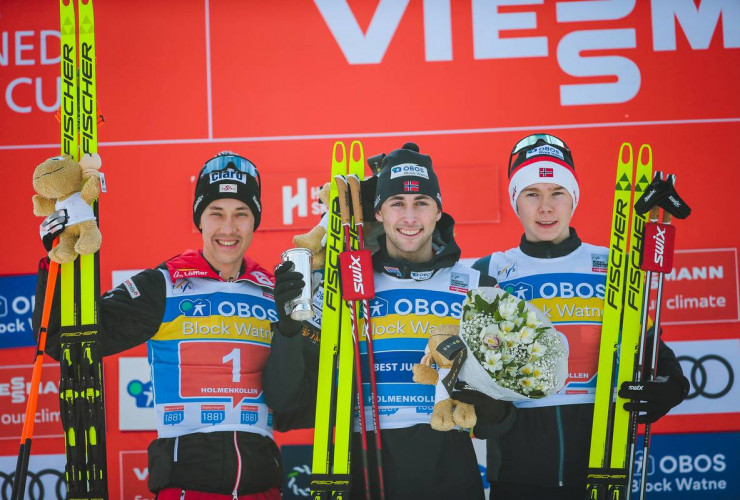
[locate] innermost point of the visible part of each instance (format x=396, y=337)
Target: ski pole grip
x=343, y=198
x=354, y=189
x=654, y=214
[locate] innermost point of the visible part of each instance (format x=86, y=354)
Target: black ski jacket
x=197, y=461
x=418, y=462
x=542, y=452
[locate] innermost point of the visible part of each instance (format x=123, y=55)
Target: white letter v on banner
x=359, y=47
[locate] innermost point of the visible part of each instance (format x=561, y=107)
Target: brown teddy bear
x=315, y=239
x=447, y=412
x=64, y=184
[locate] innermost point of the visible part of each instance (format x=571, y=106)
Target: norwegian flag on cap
x=546, y=172
x=411, y=186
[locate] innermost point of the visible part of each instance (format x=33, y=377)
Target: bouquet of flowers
x=514, y=353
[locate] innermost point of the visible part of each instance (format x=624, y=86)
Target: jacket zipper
x=235, y=494
x=561, y=454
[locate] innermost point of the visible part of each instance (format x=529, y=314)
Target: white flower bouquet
x=514, y=353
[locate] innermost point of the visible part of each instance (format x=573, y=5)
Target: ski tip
x=645, y=152
x=626, y=147
x=339, y=154
x=356, y=151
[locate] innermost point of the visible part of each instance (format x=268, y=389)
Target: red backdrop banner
x=279, y=82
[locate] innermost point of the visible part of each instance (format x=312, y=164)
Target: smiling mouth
x=409, y=232
x=547, y=223
x=227, y=243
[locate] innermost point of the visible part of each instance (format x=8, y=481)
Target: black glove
x=654, y=399
x=288, y=286
x=52, y=227
x=487, y=409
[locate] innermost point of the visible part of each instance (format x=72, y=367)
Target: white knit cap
x=544, y=164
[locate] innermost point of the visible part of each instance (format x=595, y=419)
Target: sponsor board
x=712, y=369
x=17, y=299
x=45, y=476
x=701, y=288
x=15, y=385
x=134, y=475
x=135, y=395
x=692, y=466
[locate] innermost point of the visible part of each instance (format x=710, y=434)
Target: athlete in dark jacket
x=419, y=283
x=205, y=316
x=541, y=449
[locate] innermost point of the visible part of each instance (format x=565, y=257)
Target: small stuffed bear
x=447, y=412
x=64, y=184
x=315, y=239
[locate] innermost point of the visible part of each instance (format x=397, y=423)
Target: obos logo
x=197, y=307
x=684, y=463
x=638, y=463
x=421, y=275
x=378, y=307
x=523, y=291
x=142, y=393
x=545, y=150
x=418, y=306
x=406, y=169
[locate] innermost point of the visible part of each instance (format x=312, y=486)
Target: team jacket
x=569, y=290
x=411, y=300
x=566, y=281
x=208, y=341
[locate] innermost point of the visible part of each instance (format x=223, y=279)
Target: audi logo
x=698, y=376
x=36, y=485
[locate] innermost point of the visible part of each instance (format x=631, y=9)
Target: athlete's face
x=227, y=226
x=545, y=211
x=408, y=221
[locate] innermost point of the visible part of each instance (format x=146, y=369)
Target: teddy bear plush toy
x=447, y=412
x=315, y=239
x=64, y=184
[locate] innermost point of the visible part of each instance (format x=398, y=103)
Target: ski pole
x=354, y=188
x=657, y=256
x=345, y=215
x=639, y=362
x=21, y=469
x=663, y=239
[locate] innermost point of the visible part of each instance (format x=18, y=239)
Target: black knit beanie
x=228, y=175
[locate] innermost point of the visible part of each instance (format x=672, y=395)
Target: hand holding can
x=300, y=308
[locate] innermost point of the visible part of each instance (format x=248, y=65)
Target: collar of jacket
x=548, y=249
x=446, y=254
x=192, y=264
